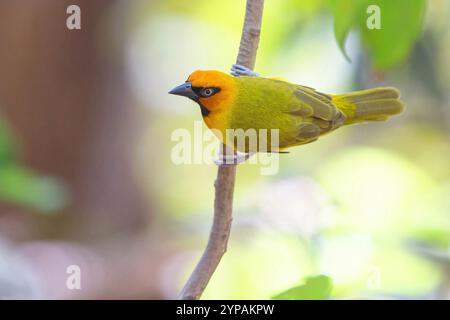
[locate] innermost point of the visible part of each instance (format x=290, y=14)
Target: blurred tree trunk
x=64, y=94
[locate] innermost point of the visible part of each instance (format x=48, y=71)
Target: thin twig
x=224, y=185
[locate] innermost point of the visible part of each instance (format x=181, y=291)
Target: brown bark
x=224, y=185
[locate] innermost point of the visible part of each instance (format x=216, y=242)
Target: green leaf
x=345, y=14
x=401, y=27
x=315, y=288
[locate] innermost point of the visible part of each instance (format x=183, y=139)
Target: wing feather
x=319, y=114
x=322, y=107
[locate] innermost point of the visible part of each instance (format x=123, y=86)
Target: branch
x=224, y=185
x=250, y=34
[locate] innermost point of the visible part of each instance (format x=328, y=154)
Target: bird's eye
x=207, y=92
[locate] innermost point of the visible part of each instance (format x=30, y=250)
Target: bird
x=244, y=101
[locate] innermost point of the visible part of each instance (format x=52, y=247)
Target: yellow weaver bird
x=301, y=114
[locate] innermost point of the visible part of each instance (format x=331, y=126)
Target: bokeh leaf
x=315, y=288
x=21, y=186
x=7, y=150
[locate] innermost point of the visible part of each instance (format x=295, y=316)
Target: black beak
x=184, y=90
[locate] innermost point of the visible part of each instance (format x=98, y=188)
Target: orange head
x=212, y=90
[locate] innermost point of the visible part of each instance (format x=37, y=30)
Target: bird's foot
x=237, y=70
x=234, y=159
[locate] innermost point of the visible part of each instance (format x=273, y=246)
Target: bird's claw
x=237, y=70
x=231, y=160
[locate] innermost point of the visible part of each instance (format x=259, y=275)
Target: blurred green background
x=86, y=176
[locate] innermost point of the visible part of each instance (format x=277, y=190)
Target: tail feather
x=381, y=107
x=376, y=104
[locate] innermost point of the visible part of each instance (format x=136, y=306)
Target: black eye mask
x=200, y=91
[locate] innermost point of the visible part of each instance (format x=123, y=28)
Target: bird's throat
x=205, y=112
x=203, y=109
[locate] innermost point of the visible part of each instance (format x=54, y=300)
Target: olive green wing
x=316, y=113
